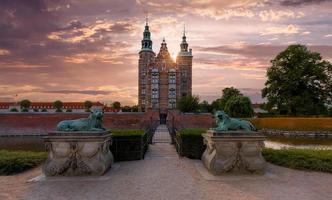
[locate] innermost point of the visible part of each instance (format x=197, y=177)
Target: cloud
x=4, y=52
x=88, y=92
x=286, y=30
x=271, y=15
x=300, y=2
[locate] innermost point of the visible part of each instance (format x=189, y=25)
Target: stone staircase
x=161, y=135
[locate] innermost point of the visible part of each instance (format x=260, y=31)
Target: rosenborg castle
x=163, y=81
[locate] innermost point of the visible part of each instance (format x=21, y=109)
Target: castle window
x=172, y=93
x=172, y=78
x=184, y=73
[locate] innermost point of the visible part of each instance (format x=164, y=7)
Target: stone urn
x=234, y=152
x=79, y=153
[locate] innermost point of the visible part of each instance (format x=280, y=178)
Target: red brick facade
x=163, y=81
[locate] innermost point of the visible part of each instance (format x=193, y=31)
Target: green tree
x=116, y=105
x=299, y=82
x=239, y=106
x=25, y=105
x=126, y=109
x=188, y=103
x=204, y=106
x=227, y=93
x=134, y=108
x=87, y=105
x=58, y=105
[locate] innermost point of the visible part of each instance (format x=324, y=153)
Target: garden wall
x=178, y=120
x=40, y=123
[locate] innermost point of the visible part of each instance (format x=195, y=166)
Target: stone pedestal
x=78, y=153
x=234, y=152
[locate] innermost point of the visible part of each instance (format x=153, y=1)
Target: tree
x=126, y=109
x=204, y=106
x=25, y=105
x=134, y=108
x=116, y=105
x=299, y=82
x=58, y=105
x=227, y=93
x=239, y=106
x=87, y=105
x=188, y=103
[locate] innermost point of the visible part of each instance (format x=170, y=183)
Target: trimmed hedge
x=13, y=162
x=129, y=144
x=302, y=159
x=189, y=143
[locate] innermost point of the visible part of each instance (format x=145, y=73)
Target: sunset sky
x=76, y=50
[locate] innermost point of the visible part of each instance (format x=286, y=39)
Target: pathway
x=163, y=175
x=161, y=135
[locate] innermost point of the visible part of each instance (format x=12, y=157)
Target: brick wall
x=189, y=120
x=41, y=123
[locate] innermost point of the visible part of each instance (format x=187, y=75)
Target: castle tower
x=184, y=64
x=146, y=57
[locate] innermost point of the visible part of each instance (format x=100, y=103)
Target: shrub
x=13, y=110
x=189, y=143
x=35, y=110
x=43, y=110
x=303, y=159
x=13, y=162
x=69, y=110
x=129, y=144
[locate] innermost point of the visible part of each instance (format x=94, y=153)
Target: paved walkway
x=161, y=135
x=163, y=175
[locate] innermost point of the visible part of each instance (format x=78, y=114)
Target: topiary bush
x=129, y=144
x=13, y=162
x=189, y=143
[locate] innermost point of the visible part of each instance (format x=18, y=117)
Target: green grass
x=302, y=159
x=13, y=162
x=127, y=132
x=192, y=131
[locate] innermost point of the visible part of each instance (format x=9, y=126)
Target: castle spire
x=184, y=44
x=146, y=42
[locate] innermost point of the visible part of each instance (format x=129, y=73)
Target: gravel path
x=163, y=175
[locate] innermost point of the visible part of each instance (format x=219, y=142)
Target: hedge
x=302, y=159
x=129, y=144
x=189, y=143
x=293, y=124
x=13, y=162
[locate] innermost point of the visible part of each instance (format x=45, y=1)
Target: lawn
x=302, y=159
x=13, y=162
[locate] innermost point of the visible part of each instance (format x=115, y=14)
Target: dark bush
x=189, y=143
x=13, y=110
x=129, y=144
